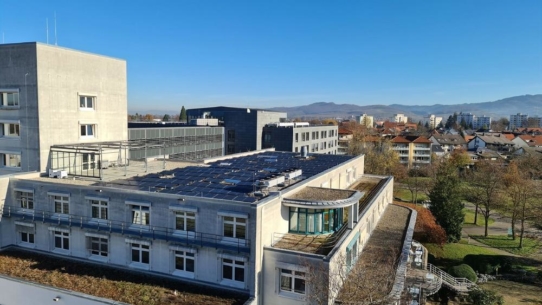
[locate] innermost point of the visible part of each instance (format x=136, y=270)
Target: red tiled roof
x=399, y=139
x=509, y=136
x=344, y=131
x=531, y=140
x=422, y=139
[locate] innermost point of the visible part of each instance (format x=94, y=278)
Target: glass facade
x=310, y=221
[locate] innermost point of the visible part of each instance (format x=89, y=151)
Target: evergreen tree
x=165, y=118
x=426, y=125
x=463, y=123
x=449, y=122
x=446, y=203
x=182, y=116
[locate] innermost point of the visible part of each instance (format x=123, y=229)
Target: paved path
x=499, y=227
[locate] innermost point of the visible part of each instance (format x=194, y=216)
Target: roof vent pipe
x=304, y=153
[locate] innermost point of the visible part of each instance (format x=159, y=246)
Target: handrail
x=457, y=284
x=126, y=228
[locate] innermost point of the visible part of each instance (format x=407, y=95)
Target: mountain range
x=526, y=104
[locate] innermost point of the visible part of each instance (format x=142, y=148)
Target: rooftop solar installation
x=237, y=179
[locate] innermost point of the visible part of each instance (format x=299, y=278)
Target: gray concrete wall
x=16, y=60
x=63, y=75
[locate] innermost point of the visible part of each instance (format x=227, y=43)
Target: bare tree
x=485, y=190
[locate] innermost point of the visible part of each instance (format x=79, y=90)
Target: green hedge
x=465, y=271
x=486, y=263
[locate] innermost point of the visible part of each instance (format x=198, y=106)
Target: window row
x=183, y=260
x=140, y=215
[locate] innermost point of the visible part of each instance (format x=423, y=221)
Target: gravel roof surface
x=322, y=194
x=375, y=267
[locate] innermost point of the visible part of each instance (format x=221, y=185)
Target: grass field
x=506, y=243
x=469, y=218
x=406, y=196
x=453, y=254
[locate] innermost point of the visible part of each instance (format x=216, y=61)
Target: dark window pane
x=135, y=255
x=227, y=272
x=190, y=265
x=31, y=238
x=191, y=225
x=179, y=263
x=299, y=285
x=228, y=230
x=66, y=243
x=58, y=242
x=240, y=232
x=286, y=283
x=145, y=257
x=240, y=274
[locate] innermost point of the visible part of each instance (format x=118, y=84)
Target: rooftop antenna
x=55, y=31
x=47, y=28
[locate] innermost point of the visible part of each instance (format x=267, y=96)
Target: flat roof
x=322, y=194
x=232, y=179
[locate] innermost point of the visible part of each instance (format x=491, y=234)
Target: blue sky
x=287, y=53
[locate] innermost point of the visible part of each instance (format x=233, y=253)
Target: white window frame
x=7, y=157
x=185, y=216
x=99, y=205
x=293, y=276
x=25, y=229
x=4, y=97
x=85, y=133
x=25, y=199
x=64, y=238
x=90, y=162
x=63, y=202
x=184, y=255
x=99, y=252
x=84, y=105
x=7, y=130
x=234, y=264
x=233, y=220
x=140, y=215
x=140, y=248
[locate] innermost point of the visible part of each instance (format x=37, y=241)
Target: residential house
x=498, y=143
x=412, y=150
x=449, y=142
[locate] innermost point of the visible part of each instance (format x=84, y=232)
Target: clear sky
x=292, y=52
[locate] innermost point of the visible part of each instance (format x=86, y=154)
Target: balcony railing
x=125, y=228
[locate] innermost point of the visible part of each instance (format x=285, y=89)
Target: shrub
x=481, y=296
x=427, y=230
x=465, y=271
x=487, y=263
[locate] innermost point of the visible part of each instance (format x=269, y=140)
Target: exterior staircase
x=459, y=285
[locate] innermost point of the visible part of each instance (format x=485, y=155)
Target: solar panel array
x=232, y=179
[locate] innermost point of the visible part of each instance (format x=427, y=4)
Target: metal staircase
x=459, y=285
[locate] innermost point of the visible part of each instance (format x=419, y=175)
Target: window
x=9, y=99
x=89, y=161
x=235, y=227
x=296, y=137
x=231, y=148
x=99, y=209
x=140, y=253
x=62, y=240
x=233, y=270
x=10, y=130
x=98, y=246
x=315, y=221
x=27, y=237
x=11, y=160
x=86, y=102
x=61, y=204
x=140, y=215
x=25, y=199
x=292, y=281
x=184, y=261
x=87, y=130
x=185, y=221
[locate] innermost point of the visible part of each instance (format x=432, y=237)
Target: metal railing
x=456, y=284
x=320, y=247
x=130, y=229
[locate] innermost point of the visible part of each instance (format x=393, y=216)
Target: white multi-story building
x=228, y=221
x=518, y=120
x=366, y=120
x=53, y=95
x=481, y=122
x=432, y=120
x=233, y=221
x=399, y=118
x=467, y=117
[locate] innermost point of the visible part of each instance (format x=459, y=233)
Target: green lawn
x=469, y=218
x=406, y=196
x=506, y=243
x=456, y=251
